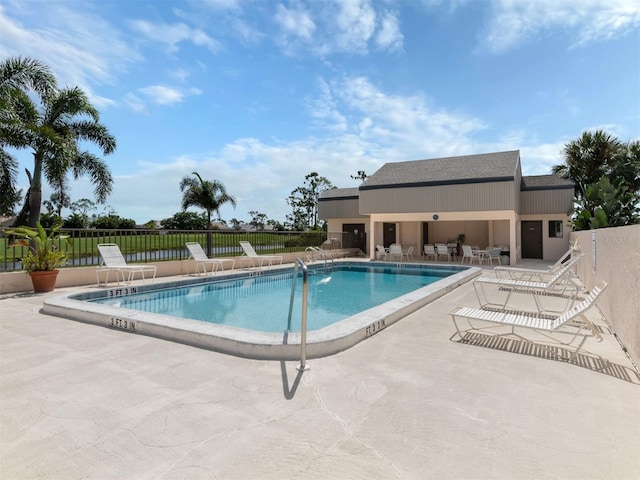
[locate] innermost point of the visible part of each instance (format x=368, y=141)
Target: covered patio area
x=480, y=229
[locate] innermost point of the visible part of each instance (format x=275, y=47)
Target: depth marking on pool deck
x=375, y=327
x=123, y=324
x=121, y=292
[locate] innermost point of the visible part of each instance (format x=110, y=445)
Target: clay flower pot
x=44, y=281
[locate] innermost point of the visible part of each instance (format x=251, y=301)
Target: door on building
x=425, y=233
x=354, y=236
x=388, y=234
x=531, y=239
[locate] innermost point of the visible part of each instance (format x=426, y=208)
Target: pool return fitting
x=303, y=330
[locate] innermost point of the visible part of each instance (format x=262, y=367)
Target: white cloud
x=221, y=4
x=180, y=74
x=71, y=41
x=401, y=127
x=389, y=36
x=337, y=26
x=538, y=159
x=173, y=34
x=134, y=102
x=296, y=22
x=516, y=22
x=355, y=22
x=163, y=95
x=324, y=109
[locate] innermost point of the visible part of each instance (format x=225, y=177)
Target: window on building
x=555, y=228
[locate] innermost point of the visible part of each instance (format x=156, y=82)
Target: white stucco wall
x=552, y=247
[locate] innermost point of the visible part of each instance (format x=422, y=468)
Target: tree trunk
x=209, y=246
x=35, y=199
x=35, y=190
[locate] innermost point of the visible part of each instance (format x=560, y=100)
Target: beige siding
x=339, y=208
x=445, y=198
x=546, y=201
x=516, y=189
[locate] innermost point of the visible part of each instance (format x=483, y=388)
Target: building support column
x=372, y=238
x=513, y=239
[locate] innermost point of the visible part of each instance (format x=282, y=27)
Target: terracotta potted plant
x=44, y=257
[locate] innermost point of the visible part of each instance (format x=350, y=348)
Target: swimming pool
x=262, y=302
x=381, y=295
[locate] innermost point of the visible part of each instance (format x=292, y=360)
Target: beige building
x=485, y=197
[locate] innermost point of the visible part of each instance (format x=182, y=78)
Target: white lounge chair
x=572, y=322
x=316, y=253
x=113, y=261
x=198, y=254
x=258, y=260
x=558, y=284
x=525, y=273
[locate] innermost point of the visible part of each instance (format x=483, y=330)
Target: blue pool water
x=262, y=302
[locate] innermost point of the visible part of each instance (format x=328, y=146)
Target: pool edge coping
x=249, y=343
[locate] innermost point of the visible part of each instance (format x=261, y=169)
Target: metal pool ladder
x=305, y=291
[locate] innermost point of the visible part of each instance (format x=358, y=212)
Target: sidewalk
x=81, y=401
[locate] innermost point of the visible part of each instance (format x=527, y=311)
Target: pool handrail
x=303, y=329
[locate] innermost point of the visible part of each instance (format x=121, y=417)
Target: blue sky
x=259, y=93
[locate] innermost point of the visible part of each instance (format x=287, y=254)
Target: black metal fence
x=139, y=245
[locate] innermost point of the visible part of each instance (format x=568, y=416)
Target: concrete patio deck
x=81, y=401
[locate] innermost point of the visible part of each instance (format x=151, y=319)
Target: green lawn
x=83, y=243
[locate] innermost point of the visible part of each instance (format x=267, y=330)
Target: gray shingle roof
x=486, y=167
x=545, y=182
x=340, y=193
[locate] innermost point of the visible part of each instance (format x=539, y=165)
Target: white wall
x=552, y=248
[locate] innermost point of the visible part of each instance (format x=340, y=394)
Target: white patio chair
x=430, y=251
x=494, y=255
x=113, y=261
x=408, y=252
x=395, y=251
x=258, y=260
x=468, y=253
x=201, y=260
x=381, y=252
x=443, y=251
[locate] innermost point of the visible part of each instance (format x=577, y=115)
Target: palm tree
x=209, y=195
x=589, y=158
x=606, y=173
x=18, y=76
x=65, y=118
